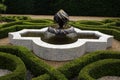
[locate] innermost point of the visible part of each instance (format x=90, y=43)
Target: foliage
x=19, y=6
x=13, y=18
x=42, y=71
x=2, y=6
x=33, y=63
x=86, y=66
x=18, y=25
x=14, y=64
x=42, y=77
x=72, y=7
x=107, y=26
x=72, y=69
x=42, y=7
x=99, y=69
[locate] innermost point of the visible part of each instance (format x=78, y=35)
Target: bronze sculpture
x=61, y=17
x=62, y=33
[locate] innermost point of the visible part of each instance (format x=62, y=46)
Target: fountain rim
x=78, y=43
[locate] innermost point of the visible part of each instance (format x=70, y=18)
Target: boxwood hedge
x=14, y=64
x=72, y=69
x=18, y=25
x=42, y=77
x=41, y=70
x=33, y=63
x=104, y=26
x=13, y=18
x=99, y=69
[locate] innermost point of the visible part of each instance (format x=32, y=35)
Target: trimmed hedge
x=14, y=64
x=14, y=18
x=33, y=63
x=42, y=77
x=104, y=26
x=113, y=32
x=12, y=24
x=41, y=70
x=72, y=69
x=99, y=69
x=18, y=25
x=4, y=31
x=40, y=21
x=86, y=22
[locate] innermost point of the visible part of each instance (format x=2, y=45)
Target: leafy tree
x=19, y=6
x=2, y=6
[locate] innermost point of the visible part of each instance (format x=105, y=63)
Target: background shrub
x=72, y=7
x=19, y=6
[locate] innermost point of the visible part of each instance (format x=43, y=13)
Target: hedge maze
x=91, y=66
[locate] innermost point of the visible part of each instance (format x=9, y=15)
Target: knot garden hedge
x=88, y=67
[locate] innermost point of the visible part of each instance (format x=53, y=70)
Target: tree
x=2, y=6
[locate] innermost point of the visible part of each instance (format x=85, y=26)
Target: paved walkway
x=73, y=18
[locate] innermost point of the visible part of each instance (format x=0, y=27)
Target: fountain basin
x=62, y=52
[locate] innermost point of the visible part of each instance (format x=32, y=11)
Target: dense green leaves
x=100, y=68
x=72, y=69
x=37, y=66
x=72, y=7
x=13, y=18
x=2, y=6
x=14, y=64
x=42, y=71
x=19, y=6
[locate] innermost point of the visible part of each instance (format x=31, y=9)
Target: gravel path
x=73, y=18
x=109, y=78
x=4, y=72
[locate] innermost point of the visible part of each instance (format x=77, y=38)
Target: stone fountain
x=60, y=33
x=61, y=41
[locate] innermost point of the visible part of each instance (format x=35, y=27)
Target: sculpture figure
x=62, y=33
x=61, y=17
